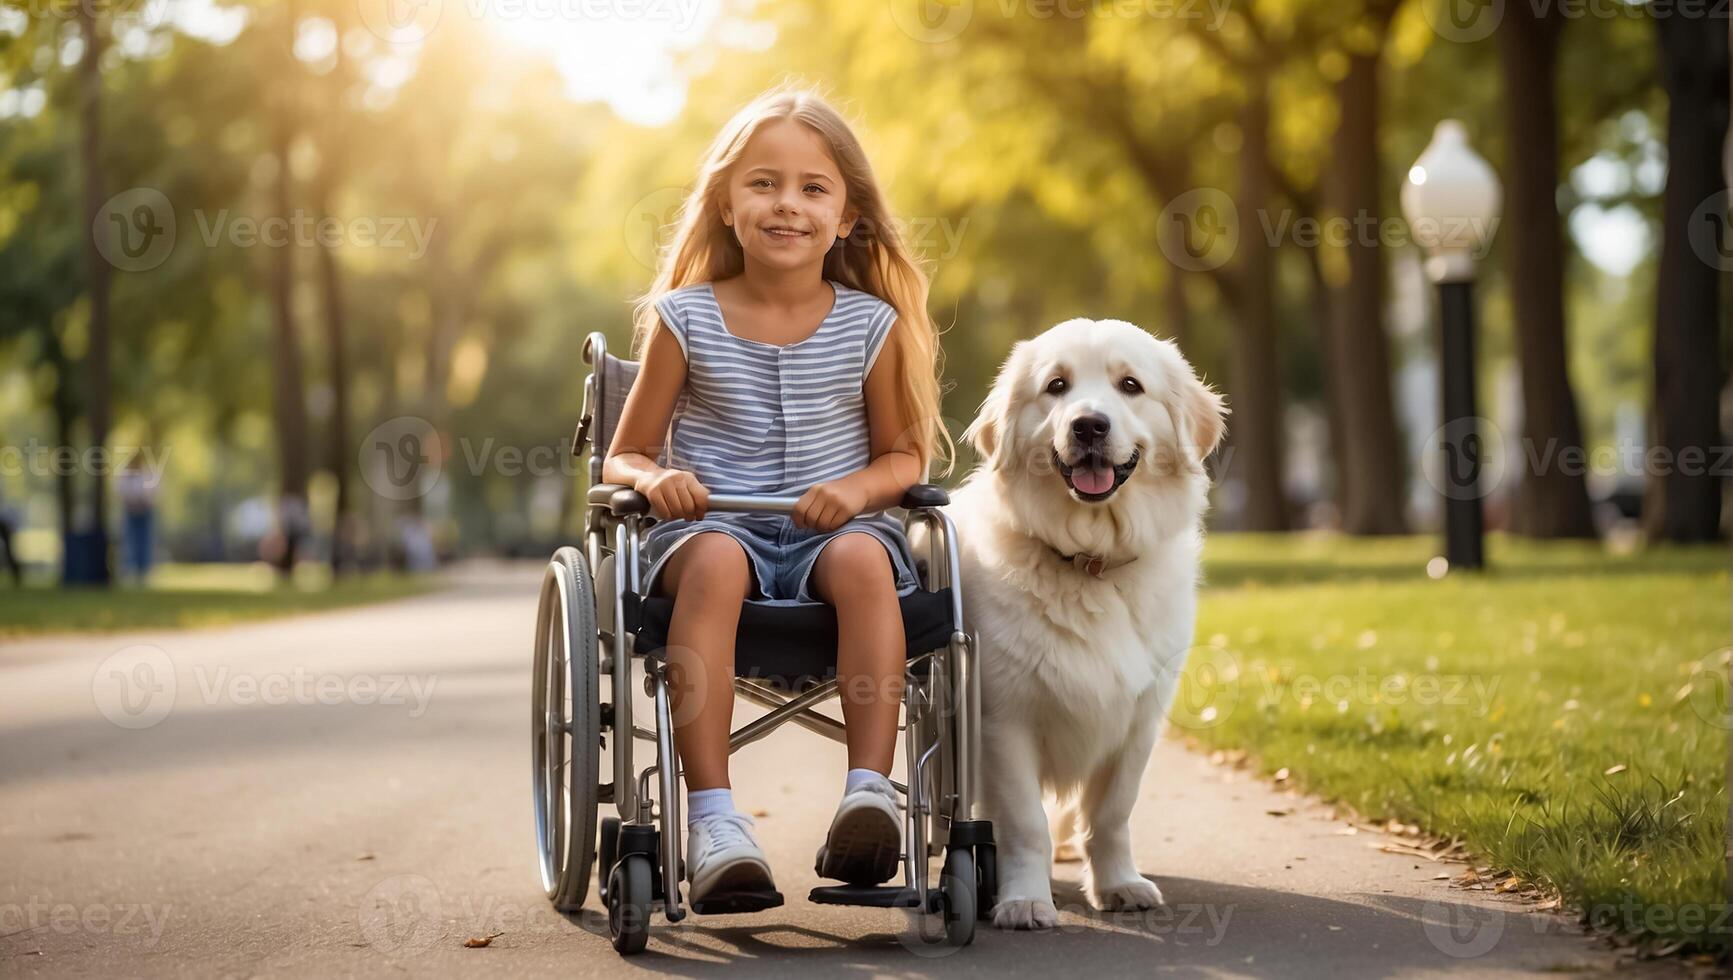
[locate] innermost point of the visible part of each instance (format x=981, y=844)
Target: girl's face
x=785, y=199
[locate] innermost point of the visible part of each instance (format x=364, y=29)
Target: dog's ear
x=1202, y=416
x=988, y=432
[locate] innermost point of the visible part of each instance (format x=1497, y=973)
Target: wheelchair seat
x=793, y=644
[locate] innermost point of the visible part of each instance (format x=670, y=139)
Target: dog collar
x=1095, y=565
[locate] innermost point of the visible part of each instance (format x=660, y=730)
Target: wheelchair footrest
x=738, y=903
x=872, y=896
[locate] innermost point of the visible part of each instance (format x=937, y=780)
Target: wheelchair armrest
x=925, y=495
x=619, y=498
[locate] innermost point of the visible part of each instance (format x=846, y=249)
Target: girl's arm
x=643, y=427
x=895, y=467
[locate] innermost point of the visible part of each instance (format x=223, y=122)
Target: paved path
x=348, y=794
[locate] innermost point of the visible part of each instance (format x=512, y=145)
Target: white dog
x=1080, y=533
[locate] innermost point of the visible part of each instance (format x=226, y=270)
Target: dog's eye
x=1057, y=386
x=1131, y=387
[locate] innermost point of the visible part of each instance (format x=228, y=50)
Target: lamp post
x=1451, y=200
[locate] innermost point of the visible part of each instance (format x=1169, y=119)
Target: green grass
x=1496, y=709
x=182, y=596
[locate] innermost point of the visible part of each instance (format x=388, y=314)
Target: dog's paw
x=1137, y=893
x=1025, y=913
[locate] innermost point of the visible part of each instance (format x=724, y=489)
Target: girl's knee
x=857, y=556
x=712, y=566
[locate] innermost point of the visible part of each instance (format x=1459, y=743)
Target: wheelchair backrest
x=605, y=394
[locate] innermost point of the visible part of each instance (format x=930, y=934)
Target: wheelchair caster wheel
x=987, y=876
x=629, y=901
x=957, y=884
x=608, y=853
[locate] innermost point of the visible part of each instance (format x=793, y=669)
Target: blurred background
x=305, y=283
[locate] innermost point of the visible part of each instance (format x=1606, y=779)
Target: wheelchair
x=599, y=637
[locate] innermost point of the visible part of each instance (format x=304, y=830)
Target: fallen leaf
x=482, y=942
x=1614, y=771
x=1282, y=774
x=363, y=857
x=1405, y=849
x=1279, y=813
x=1442, y=875
x=761, y=813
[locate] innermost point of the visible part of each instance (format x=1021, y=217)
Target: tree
x=1684, y=502
x=289, y=397
x=94, y=563
x=1552, y=499
x=1357, y=345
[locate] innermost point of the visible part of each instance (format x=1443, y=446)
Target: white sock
x=860, y=777
x=708, y=803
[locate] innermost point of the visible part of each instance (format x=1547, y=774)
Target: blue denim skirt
x=782, y=554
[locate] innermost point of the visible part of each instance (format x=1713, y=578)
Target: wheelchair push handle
x=623, y=500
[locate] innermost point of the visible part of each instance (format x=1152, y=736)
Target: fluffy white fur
x=1078, y=670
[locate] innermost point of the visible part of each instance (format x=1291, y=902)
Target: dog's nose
x=1091, y=426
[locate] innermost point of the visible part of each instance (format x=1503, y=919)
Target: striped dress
x=772, y=420
x=761, y=418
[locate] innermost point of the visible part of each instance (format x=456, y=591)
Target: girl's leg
x=709, y=578
x=854, y=574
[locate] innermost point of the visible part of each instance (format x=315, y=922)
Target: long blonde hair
x=871, y=259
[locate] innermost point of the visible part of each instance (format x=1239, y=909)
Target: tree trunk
x=336, y=332
x=1254, y=378
x=65, y=414
x=1358, y=347
x=1177, y=308
x=1332, y=385
x=288, y=396
x=96, y=267
x=1687, y=426
x=1552, y=500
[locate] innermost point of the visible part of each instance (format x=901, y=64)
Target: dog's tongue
x=1093, y=479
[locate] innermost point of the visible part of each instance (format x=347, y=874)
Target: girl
x=787, y=340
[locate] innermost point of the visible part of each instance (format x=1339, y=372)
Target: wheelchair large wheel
x=566, y=729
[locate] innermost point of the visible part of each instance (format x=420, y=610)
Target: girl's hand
x=828, y=506
x=676, y=494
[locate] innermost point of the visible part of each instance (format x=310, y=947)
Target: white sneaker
x=865, y=837
x=722, y=858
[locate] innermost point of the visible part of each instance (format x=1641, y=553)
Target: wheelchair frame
x=585, y=646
